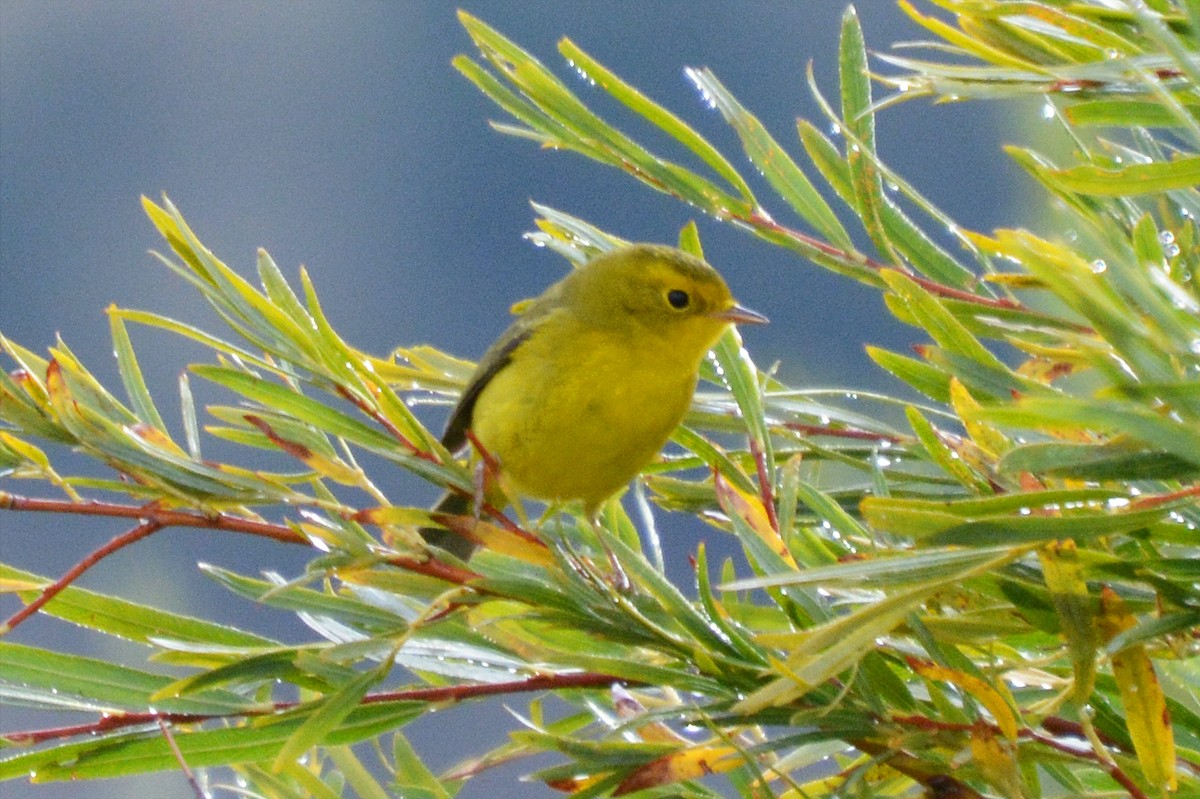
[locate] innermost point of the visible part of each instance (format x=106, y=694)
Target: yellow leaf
x=14, y=585
x=991, y=442
x=156, y=438
x=1146, y=715
x=1063, y=574
x=497, y=539
x=749, y=508
x=333, y=468
x=995, y=761
x=983, y=693
x=26, y=451
x=687, y=764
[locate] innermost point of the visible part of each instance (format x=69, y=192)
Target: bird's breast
x=578, y=414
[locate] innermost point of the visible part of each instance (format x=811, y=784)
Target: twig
x=1153, y=501
x=765, y=487
x=386, y=423
x=49, y=592
x=447, y=693
x=842, y=432
x=165, y=517
x=756, y=220
x=1055, y=725
x=187, y=771
x=155, y=518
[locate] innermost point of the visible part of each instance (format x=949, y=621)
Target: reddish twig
x=187, y=771
x=766, y=488
x=1153, y=501
x=756, y=220
x=842, y=432
x=432, y=567
x=1055, y=725
x=446, y=693
x=386, y=423
x=154, y=518
x=165, y=517
x=1113, y=770
x=55, y=588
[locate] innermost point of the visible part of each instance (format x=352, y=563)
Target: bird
x=586, y=385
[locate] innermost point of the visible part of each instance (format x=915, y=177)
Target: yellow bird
x=585, y=387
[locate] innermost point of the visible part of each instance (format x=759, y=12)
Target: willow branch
x=143, y=530
x=153, y=518
x=432, y=694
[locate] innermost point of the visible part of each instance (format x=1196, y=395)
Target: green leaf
x=1119, y=459
x=131, y=375
x=330, y=712
x=657, y=115
x=126, y=754
x=1132, y=421
x=771, y=159
x=830, y=648
x=106, y=685
x=945, y=457
x=930, y=380
x=1127, y=113
x=1182, y=172
x=859, y=120
x=130, y=620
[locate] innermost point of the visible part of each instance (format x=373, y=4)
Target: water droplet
x=835, y=129
x=1098, y=266
x=581, y=72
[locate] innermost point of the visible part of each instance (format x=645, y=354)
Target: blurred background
x=337, y=135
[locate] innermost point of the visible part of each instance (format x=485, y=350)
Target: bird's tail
x=459, y=546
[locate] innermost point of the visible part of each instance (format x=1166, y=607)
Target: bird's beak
x=740, y=316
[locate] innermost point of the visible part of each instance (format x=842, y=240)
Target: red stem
x=841, y=432
x=447, y=693
x=154, y=518
x=765, y=487
x=1056, y=725
x=54, y=589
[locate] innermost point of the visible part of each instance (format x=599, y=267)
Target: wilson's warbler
x=586, y=385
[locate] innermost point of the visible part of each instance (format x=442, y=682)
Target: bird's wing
x=496, y=358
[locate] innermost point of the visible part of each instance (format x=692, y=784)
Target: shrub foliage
x=989, y=591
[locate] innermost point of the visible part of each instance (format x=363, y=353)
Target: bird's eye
x=678, y=299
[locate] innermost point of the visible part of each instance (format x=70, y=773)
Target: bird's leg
x=486, y=477
x=620, y=580
x=479, y=482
